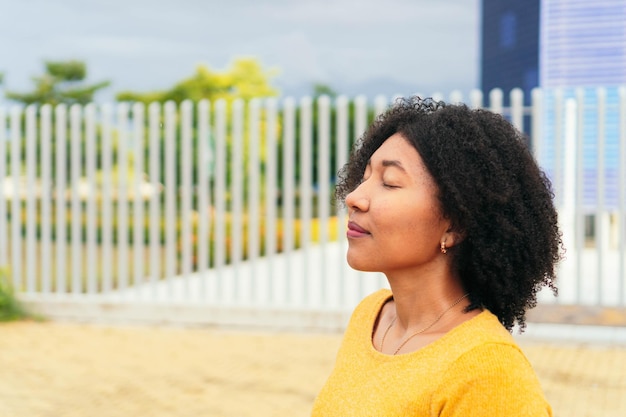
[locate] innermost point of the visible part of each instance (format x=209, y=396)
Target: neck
x=419, y=300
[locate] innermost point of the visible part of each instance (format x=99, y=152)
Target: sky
x=354, y=46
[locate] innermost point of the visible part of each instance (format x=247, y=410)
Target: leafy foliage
x=10, y=307
x=62, y=82
x=244, y=79
x=320, y=89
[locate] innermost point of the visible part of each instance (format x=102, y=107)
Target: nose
x=357, y=199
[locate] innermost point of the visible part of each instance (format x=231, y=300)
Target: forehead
x=398, y=154
x=397, y=149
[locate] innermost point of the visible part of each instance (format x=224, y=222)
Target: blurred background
x=354, y=47
x=174, y=164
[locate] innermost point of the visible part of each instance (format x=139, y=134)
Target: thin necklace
x=382, y=341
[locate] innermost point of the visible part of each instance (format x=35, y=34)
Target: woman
x=450, y=205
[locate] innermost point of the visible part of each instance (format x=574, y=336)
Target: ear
x=452, y=237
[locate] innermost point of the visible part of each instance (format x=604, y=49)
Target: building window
x=508, y=30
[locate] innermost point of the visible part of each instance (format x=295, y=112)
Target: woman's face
x=395, y=222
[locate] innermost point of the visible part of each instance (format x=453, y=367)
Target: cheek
x=421, y=227
x=408, y=219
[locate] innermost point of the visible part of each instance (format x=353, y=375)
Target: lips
x=355, y=231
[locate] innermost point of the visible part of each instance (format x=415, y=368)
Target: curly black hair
x=492, y=191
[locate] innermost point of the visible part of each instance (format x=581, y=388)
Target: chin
x=361, y=264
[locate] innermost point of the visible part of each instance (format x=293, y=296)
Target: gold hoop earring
x=443, y=247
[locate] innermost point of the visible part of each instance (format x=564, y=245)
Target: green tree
x=320, y=89
x=245, y=78
x=62, y=82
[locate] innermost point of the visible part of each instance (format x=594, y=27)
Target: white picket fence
x=222, y=213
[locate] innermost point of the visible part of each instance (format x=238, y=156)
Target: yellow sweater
x=476, y=369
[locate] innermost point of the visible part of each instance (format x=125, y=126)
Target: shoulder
x=491, y=376
x=483, y=329
x=492, y=379
x=486, y=328
x=501, y=360
x=484, y=344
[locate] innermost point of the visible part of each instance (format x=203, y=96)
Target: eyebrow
x=391, y=163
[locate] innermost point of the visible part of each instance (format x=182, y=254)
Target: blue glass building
x=583, y=43
x=510, y=46
x=583, y=47
x=552, y=43
x=573, y=46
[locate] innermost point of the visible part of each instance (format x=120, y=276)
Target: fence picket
x=517, y=108
x=60, y=234
x=252, y=286
x=306, y=192
x=254, y=175
x=186, y=215
x=496, y=98
x=154, y=139
x=236, y=211
x=138, y=111
x=16, y=206
x=288, y=194
x=270, y=195
x=75, y=204
x=536, y=129
x=204, y=160
x=107, y=199
x=476, y=99
x=580, y=214
x=170, y=195
x=31, y=191
x=323, y=195
x=92, y=191
x=46, y=199
x=219, y=200
x=601, y=216
x=343, y=145
x=122, y=197
x=456, y=97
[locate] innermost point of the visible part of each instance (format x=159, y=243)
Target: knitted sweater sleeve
x=493, y=379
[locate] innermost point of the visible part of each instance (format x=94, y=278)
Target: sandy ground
x=64, y=369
